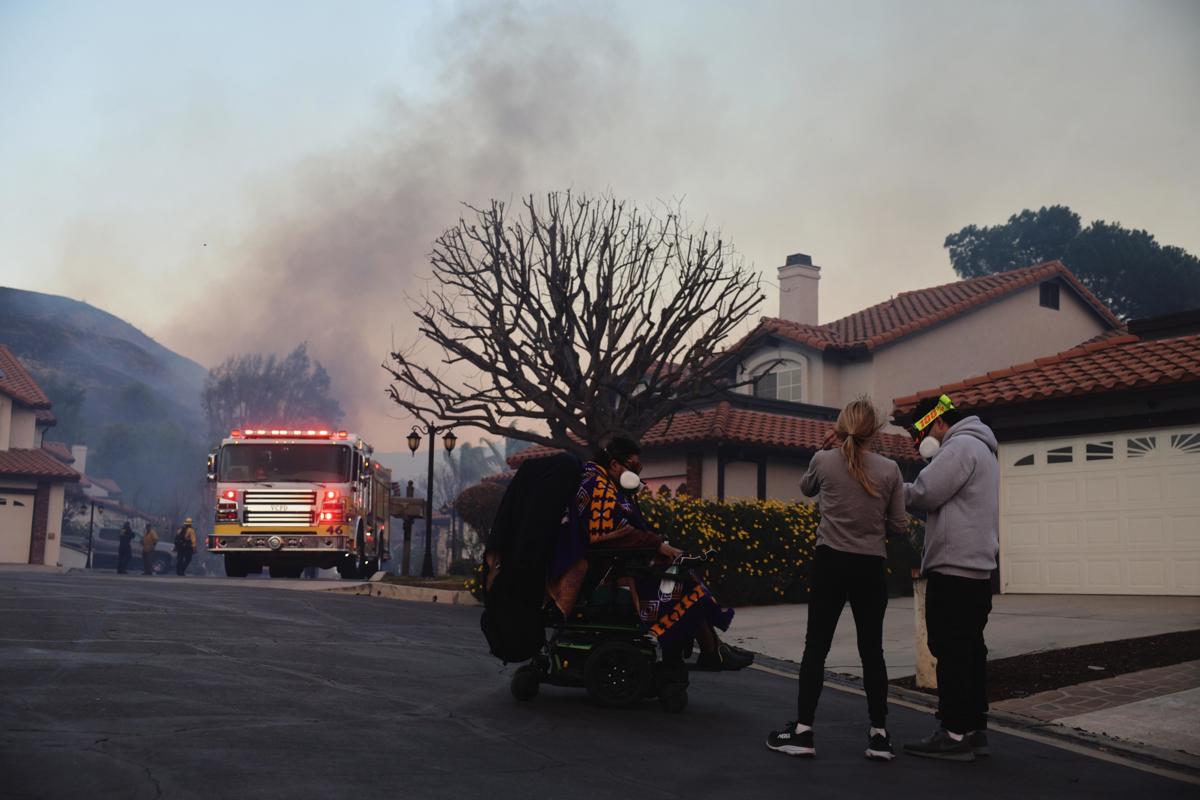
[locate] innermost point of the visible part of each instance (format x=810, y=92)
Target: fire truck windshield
x=285, y=462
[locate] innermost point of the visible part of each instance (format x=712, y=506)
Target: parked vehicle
x=105, y=543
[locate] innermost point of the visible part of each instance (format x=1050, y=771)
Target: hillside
x=124, y=372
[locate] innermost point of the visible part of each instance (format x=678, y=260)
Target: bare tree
x=580, y=313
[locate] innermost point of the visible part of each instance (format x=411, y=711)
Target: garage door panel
x=1024, y=575
x=1061, y=492
x=1022, y=494
x=1100, y=492
x=1147, y=530
x=1104, y=576
x=1148, y=575
x=1065, y=575
x=1062, y=532
x=1183, y=488
x=1143, y=489
x=1187, y=576
x=1102, y=531
x=1184, y=531
x=1025, y=534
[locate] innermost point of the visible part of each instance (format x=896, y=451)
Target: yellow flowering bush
x=762, y=547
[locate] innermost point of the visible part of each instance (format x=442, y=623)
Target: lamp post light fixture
x=414, y=443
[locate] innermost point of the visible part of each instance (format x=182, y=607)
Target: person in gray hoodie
x=959, y=490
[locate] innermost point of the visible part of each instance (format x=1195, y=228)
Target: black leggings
x=838, y=576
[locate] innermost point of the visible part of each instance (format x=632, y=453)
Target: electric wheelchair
x=603, y=646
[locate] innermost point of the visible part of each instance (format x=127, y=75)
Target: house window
x=1187, y=442
x=1100, y=451
x=1049, y=296
x=1141, y=446
x=785, y=384
x=1060, y=455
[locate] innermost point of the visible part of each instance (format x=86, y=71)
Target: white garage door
x=1102, y=514
x=16, y=527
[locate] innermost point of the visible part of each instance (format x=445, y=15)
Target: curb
x=46, y=569
x=1177, y=764
x=392, y=591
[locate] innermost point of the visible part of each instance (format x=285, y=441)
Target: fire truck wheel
x=348, y=568
x=372, y=566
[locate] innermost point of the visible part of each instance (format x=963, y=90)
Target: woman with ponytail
x=861, y=496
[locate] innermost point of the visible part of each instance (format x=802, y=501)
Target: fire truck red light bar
x=256, y=433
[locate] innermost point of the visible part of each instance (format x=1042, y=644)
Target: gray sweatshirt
x=960, y=491
x=851, y=519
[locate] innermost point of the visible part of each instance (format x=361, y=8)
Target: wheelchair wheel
x=525, y=683
x=674, y=697
x=616, y=673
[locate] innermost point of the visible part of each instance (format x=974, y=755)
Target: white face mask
x=630, y=481
x=928, y=447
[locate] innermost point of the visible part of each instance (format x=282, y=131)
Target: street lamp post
x=414, y=442
x=91, y=530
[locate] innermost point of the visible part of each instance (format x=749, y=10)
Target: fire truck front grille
x=279, y=507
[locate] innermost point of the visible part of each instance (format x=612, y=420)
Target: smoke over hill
x=345, y=240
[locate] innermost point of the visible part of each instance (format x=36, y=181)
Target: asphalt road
x=137, y=688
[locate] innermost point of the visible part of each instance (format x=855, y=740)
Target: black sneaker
x=726, y=658
x=979, y=743
x=792, y=743
x=940, y=745
x=879, y=748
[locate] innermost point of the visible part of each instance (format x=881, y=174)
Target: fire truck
x=287, y=499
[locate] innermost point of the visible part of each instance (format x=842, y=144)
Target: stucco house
x=916, y=339
x=1099, y=462
x=757, y=441
x=31, y=479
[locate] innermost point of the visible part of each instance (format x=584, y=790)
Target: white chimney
x=79, y=453
x=798, y=289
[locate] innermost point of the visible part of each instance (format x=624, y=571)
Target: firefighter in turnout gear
x=185, y=546
x=148, y=543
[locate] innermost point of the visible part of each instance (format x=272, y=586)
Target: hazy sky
x=236, y=177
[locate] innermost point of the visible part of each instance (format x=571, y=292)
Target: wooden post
x=926, y=664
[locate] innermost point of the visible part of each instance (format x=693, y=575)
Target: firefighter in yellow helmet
x=185, y=546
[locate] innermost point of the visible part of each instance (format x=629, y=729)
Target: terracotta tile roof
x=816, y=336
x=910, y=312
x=34, y=464
x=59, y=451
x=1122, y=362
x=1106, y=335
x=46, y=417
x=731, y=425
x=18, y=384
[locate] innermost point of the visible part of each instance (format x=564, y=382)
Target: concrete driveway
x=1018, y=624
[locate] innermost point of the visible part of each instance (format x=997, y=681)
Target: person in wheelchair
x=604, y=515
